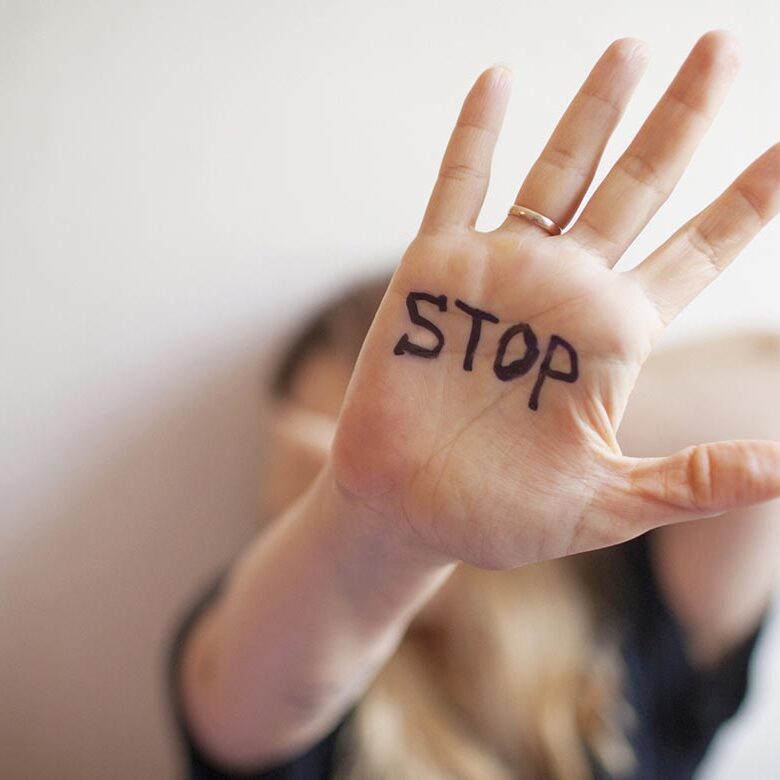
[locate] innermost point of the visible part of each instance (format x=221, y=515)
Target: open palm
x=482, y=414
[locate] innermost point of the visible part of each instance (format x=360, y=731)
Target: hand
x=482, y=414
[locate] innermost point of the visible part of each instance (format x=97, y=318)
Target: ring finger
x=561, y=175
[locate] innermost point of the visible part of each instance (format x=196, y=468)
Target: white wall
x=178, y=181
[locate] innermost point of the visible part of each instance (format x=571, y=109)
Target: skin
x=716, y=574
x=432, y=466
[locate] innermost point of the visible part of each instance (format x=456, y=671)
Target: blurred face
x=301, y=431
x=302, y=428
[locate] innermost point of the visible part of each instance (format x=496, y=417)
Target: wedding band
x=538, y=219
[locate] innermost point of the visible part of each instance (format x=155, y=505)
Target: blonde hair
x=525, y=678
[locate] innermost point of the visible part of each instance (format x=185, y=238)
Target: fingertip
x=720, y=47
x=772, y=154
x=764, y=467
x=721, y=38
x=741, y=472
x=495, y=80
x=630, y=49
x=500, y=74
x=759, y=184
x=768, y=164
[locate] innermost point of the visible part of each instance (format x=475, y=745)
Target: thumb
x=705, y=480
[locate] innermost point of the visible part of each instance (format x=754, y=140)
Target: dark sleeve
x=316, y=763
x=682, y=706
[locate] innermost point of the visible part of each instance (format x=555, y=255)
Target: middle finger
x=647, y=172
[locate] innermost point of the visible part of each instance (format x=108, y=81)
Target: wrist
x=379, y=522
x=374, y=550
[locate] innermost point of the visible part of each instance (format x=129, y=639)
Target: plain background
x=179, y=183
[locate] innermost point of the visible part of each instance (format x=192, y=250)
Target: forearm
x=717, y=575
x=307, y=617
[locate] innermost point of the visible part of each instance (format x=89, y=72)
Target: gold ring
x=538, y=219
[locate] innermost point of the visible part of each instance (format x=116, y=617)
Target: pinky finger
x=695, y=255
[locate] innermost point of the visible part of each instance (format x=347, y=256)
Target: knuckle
x=611, y=107
x=638, y=167
x=477, y=126
x=700, y=470
x=695, y=110
x=753, y=204
x=706, y=246
x=564, y=159
x=462, y=172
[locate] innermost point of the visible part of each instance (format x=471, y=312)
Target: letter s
x=404, y=344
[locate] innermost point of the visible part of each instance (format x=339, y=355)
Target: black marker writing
x=404, y=345
x=522, y=365
x=477, y=315
x=545, y=370
x=504, y=371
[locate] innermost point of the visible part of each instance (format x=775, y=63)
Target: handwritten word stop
x=505, y=371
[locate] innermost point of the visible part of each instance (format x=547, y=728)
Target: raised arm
x=480, y=422
x=307, y=617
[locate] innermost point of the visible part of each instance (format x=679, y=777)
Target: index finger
x=465, y=170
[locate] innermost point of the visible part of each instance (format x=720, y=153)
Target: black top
x=678, y=708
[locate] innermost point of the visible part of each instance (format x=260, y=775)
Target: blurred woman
x=457, y=579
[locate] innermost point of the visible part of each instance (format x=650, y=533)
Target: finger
x=463, y=177
x=559, y=179
x=704, y=480
x=683, y=266
x=645, y=175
